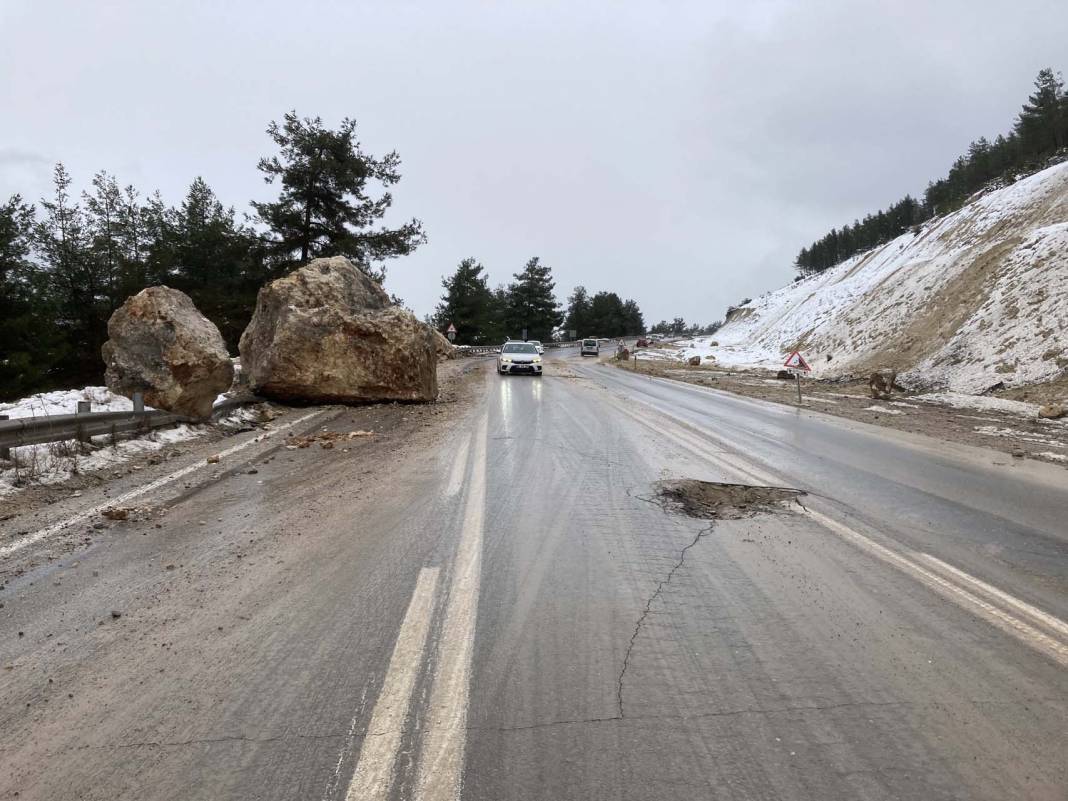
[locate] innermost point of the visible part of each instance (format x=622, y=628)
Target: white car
x=538, y=345
x=519, y=357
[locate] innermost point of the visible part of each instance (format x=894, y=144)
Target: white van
x=590, y=347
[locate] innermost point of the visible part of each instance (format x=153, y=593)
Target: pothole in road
x=713, y=500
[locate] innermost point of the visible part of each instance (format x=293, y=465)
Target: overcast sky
x=677, y=153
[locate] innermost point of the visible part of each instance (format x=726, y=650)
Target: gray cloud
x=679, y=153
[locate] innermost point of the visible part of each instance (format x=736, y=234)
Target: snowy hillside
x=970, y=300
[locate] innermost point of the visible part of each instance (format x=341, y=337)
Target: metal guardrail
x=58, y=427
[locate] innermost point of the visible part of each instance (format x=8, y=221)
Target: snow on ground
x=65, y=401
x=55, y=462
x=962, y=303
x=883, y=409
x=980, y=402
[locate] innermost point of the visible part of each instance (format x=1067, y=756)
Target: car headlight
x=537, y=360
x=506, y=359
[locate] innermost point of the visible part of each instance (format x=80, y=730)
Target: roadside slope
x=965, y=302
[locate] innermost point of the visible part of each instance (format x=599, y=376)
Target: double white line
x=441, y=753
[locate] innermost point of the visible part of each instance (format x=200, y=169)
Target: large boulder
x=326, y=333
x=445, y=349
x=161, y=346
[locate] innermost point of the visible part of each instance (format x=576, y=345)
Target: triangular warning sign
x=797, y=362
x=451, y=329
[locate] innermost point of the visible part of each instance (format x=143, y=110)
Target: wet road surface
x=507, y=612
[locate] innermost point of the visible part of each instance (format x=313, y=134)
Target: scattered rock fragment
x=116, y=513
x=1051, y=411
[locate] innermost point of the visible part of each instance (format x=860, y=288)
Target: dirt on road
x=89, y=504
x=1011, y=433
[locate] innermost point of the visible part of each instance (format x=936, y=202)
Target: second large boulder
x=161, y=346
x=326, y=333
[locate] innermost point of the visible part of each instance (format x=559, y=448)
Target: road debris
x=326, y=439
x=714, y=500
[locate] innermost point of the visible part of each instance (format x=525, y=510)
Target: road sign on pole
x=450, y=332
x=797, y=363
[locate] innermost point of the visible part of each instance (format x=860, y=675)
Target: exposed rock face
x=326, y=333
x=160, y=345
x=445, y=349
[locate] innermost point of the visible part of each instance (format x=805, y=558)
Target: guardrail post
x=138, y=402
x=5, y=453
x=84, y=407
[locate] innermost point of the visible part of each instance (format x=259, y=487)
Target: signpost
x=450, y=332
x=796, y=362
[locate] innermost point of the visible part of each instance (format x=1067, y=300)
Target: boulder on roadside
x=694, y=361
x=1051, y=411
x=882, y=382
x=327, y=333
x=444, y=348
x=162, y=346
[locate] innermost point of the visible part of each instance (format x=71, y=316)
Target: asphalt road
x=502, y=610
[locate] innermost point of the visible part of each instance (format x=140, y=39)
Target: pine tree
x=1041, y=123
x=468, y=305
x=633, y=321
x=577, y=318
x=76, y=285
x=532, y=306
x=103, y=213
x=324, y=208
x=31, y=344
x=606, y=313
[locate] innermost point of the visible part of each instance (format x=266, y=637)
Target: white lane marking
x=55, y=528
x=459, y=464
x=1036, y=614
x=441, y=761
x=378, y=755
x=907, y=561
x=1000, y=618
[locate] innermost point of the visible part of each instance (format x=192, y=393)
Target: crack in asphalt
x=645, y=613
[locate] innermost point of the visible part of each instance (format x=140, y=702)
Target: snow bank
x=65, y=401
x=56, y=462
x=965, y=302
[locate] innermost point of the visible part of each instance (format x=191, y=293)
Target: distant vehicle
x=590, y=347
x=519, y=357
x=537, y=344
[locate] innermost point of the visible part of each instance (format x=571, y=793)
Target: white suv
x=519, y=357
